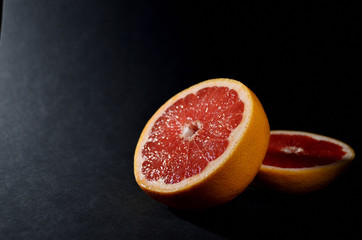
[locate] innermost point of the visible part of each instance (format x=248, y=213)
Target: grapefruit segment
x=188, y=155
x=301, y=162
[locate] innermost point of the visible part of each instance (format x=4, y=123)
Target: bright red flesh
x=298, y=151
x=192, y=132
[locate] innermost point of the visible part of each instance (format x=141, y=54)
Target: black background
x=79, y=80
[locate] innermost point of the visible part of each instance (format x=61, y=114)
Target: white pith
x=349, y=153
x=244, y=96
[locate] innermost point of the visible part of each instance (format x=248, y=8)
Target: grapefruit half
x=301, y=162
x=204, y=146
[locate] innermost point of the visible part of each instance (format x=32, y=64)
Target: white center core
x=191, y=129
x=293, y=150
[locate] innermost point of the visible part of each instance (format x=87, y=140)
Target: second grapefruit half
x=301, y=162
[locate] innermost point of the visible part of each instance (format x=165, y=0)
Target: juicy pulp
x=192, y=132
x=298, y=151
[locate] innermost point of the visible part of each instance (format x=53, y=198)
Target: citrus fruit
x=204, y=146
x=301, y=162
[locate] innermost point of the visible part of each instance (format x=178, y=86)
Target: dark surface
x=79, y=80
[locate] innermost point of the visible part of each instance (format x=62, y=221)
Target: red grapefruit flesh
x=191, y=133
x=300, y=151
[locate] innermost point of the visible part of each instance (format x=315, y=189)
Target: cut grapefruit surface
x=191, y=133
x=203, y=146
x=301, y=162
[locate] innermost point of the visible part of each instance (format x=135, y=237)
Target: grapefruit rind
x=229, y=174
x=306, y=179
